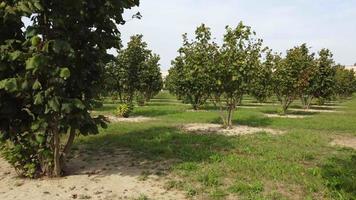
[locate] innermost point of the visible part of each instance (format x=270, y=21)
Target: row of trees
x=135, y=73
x=50, y=75
x=242, y=65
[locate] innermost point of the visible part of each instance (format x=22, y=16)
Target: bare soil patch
x=286, y=116
x=235, y=131
x=96, y=176
x=198, y=111
x=349, y=142
x=326, y=107
x=137, y=119
x=315, y=110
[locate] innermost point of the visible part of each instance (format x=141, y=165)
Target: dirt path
x=349, y=142
x=286, y=116
x=100, y=176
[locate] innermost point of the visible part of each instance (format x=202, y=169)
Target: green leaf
x=54, y=104
x=78, y=103
x=35, y=62
x=38, y=6
x=15, y=55
x=40, y=138
x=25, y=8
x=2, y=5
x=9, y=85
x=66, y=108
x=64, y=73
x=38, y=99
x=31, y=32
x=35, y=41
x=24, y=85
x=36, y=85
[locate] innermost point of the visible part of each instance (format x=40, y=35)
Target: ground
x=154, y=156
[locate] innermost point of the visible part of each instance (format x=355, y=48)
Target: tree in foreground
x=189, y=77
x=238, y=63
x=50, y=74
x=292, y=75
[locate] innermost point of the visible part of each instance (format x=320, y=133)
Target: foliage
x=189, y=78
x=239, y=61
x=323, y=82
x=50, y=73
x=151, y=81
x=124, y=110
x=261, y=86
x=135, y=72
x=345, y=82
x=292, y=76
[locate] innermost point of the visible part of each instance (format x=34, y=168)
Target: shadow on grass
x=132, y=152
x=254, y=121
x=164, y=142
x=106, y=108
x=292, y=112
x=340, y=176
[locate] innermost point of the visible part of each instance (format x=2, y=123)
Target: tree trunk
x=229, y=117
x=284, y=106
x=306, y=101
x=67, y=147
x=310, y=99
x=56, y=153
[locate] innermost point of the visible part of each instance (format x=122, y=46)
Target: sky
x=282, y=24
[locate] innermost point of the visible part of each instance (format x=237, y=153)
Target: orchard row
x=243, y=65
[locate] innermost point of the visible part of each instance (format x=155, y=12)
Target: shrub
x=124, y=110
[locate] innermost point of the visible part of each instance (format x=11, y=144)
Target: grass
x=297, y=165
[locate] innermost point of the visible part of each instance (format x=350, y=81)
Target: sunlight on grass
x=299, y=164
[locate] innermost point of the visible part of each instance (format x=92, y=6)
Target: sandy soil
x=263, y=104
x=103, y=176
x=327, y=106
x=191, y=110
x=286, y=116
x=315, y=110
x=252, y=107
x=349, y=142
x=137, y=119
x=235, y=131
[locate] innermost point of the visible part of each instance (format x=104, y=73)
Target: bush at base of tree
x=124, y=110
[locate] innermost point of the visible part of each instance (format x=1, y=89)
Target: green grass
x=297, y=165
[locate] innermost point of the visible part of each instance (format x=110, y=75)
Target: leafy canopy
x=50, y=74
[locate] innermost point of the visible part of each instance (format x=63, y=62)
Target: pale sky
x=281, y=23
